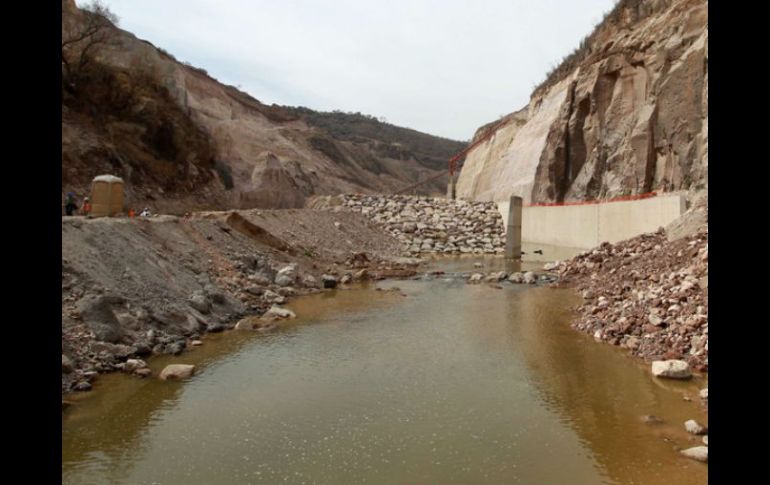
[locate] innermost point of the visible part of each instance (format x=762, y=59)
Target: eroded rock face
x=630, y=118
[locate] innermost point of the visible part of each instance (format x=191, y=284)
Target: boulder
x=200, y=302
x=133, y=364
x=177, y=371
x=672, y=369
x=530, y=278
x=700, y=453
x=693, y=427
x=329, y=281
x=276, y=311
x=286, y=276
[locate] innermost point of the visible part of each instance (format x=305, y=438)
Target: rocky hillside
x=185, y=141
x=626, y=113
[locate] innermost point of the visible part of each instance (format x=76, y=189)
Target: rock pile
x=434, y=225
x=647, y=294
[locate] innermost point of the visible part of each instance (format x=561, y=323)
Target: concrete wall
x=587, y=226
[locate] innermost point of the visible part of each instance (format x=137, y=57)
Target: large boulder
x=177, y=371
x=700, y=453
x=200, y=302
x=672, y=369
x=97, y=312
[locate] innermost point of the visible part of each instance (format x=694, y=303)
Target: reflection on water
x=452, y=383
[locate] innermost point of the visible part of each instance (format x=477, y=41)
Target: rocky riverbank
x=428, y=224
x=646, y=294
x=137, y=287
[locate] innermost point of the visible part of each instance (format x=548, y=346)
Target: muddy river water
x=441, y=382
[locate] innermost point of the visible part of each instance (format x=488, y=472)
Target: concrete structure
x=513, y=228
x=451, y=192
x=588, y=225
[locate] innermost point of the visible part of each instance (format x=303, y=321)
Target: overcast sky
x=444, y=67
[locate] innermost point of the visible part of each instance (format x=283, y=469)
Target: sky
x=444, y=67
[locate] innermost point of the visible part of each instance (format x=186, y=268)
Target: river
x=440, y=382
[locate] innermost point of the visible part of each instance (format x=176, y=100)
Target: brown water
x=453, y=383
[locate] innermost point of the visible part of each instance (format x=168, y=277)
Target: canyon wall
x=626, y=113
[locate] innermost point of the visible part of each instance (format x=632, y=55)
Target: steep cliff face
x=185, y=141
x=627, y=113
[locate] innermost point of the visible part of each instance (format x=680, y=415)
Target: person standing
x=69, y=205
x=86, y=207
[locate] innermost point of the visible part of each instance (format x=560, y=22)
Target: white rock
x=693, y=427
x=672, y=369
x=700, y=453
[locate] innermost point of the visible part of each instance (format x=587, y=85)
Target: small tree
x=83, y=37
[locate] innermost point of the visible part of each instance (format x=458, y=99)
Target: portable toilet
x=106, y=196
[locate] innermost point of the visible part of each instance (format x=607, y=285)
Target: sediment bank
x=137, y=287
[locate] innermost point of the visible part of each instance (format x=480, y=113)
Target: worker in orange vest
x=131, y=213
x=86, y=207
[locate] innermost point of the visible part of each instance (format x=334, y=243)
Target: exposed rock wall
x=631, y=117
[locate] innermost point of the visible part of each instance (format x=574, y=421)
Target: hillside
x=625, y=113
x=184, y=141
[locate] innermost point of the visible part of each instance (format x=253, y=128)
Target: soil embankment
x=134, y=287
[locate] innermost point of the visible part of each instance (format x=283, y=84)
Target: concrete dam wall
x=588, y=225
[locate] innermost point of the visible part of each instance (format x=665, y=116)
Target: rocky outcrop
x=626, y=114
x=434, y=225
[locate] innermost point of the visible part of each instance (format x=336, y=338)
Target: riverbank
x=646, y=294
x=137, y=287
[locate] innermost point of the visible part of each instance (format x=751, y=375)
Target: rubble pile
x=646, y=294
x=434, y=225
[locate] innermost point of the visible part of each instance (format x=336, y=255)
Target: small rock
x=704, y=393
x=654, y=319
x=706, y=440
x=145, y=372
x=195, y=343
x=651, y=419
x=83, y=386
x=177, y=371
